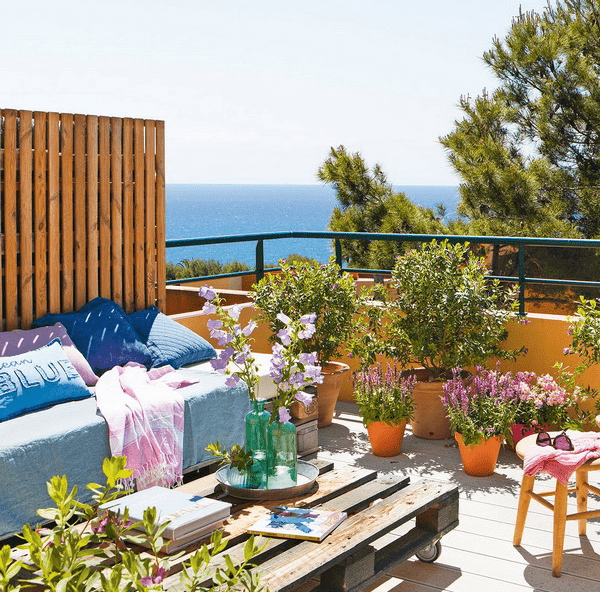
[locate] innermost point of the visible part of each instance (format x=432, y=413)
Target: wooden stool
x=559, y=508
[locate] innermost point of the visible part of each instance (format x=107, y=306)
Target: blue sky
x=256, y=91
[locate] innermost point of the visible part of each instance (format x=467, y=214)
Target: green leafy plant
x=89, y=550
x=305, y=288
x=446, y=312
x=236, y=456
x=384, y=396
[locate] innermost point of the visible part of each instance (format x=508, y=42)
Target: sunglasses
x=560, y=442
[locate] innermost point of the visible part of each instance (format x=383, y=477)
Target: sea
x=204, y=210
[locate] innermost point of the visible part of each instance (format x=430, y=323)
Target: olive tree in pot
x=310, y=287
x=446, y=313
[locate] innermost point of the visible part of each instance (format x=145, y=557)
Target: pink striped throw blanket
x=563, y=463
x=144, y=413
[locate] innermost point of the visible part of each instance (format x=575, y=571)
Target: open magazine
x=298, y=523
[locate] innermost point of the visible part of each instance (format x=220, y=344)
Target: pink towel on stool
x=562, y=463
x=144, y=413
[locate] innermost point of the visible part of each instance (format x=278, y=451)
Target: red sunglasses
x=560, y=442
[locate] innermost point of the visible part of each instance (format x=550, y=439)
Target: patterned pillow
x=103, y=334
x=169, y=342
x=38, y=378
x=19, y=341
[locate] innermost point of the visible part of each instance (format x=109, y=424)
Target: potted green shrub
x=385, y=403
x=311, y=288
x=446, y=313
x=481, y=411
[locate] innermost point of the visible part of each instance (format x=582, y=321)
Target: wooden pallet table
x=356, y=553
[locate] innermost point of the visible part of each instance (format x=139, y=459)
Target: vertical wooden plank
x=1, y=222
x=128, y=227
x=25, y=206
x=40, y=212
x=104, y=206
x=11, y=278
x=66, y=212
x=92, y=207
x=80, y=211
x=139, y=218
x=150, y=207
x=161, y=268
x=53, y=213
x=116, y=208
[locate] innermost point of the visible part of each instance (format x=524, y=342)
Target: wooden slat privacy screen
x=82, y=213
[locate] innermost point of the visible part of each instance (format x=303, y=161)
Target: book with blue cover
x=185, y=511
x=298, y=523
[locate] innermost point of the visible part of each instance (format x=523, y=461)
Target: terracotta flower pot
x=329, y=391
x=429, y=419
x=479, y=460
x=386, y=440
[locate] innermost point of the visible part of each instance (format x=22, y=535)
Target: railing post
x=522, y=279
x=338, y=251
x=260, y=261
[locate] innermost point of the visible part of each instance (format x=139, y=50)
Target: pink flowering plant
x=290, y=370
x=541, y=401
x=384, y=395
x=90, y=549
x=482, y=406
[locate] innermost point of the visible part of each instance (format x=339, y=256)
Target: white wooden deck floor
x=478, y=555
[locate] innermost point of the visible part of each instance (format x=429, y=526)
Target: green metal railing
x=520, y=242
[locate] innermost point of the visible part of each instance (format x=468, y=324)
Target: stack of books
x=191, y=517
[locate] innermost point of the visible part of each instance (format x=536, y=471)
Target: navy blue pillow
x=169, y=342
x=37, y=379
x=102, y=332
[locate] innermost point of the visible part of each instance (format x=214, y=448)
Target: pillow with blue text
x=38, y=378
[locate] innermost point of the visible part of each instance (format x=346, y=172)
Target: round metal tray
x=307, y=475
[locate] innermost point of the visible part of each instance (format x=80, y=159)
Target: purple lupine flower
x=284, y=336
x=208, y=308
x=284, y=415
x=249, y=328
x=308, y=358
x=207, y=292
x=222, y=337
x=304, y=398
x=213, y=324
x=307, y=332
x=308, y=319
x=297, y=378
x=284, y=318
x=235, y=311
x=232, y=380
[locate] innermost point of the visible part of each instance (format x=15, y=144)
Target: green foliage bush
x=86, y=550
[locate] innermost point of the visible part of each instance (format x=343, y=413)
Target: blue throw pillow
x=38, y=378
x=102, y=332
x=169, y=342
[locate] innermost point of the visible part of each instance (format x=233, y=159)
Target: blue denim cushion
x=102, y=332
x=38, y=378
x=169, y=342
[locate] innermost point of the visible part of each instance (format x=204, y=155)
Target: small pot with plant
x=385, y=404
x=480, y=410
x=446, y=313
x=311, y=288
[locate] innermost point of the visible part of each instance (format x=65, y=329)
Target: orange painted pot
x=386, y=440
x=480, y=459
x=329, y=391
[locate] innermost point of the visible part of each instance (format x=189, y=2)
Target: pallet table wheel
x=430, y=553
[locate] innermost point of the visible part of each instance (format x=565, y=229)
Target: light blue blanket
x=72, y=439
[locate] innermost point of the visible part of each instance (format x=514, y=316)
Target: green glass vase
x=282, y=452
x=256, y=442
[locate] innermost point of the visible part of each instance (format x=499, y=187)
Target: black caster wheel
x=430, y=553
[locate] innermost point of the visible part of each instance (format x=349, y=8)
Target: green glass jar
x=256, y=442
x=282, y=453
